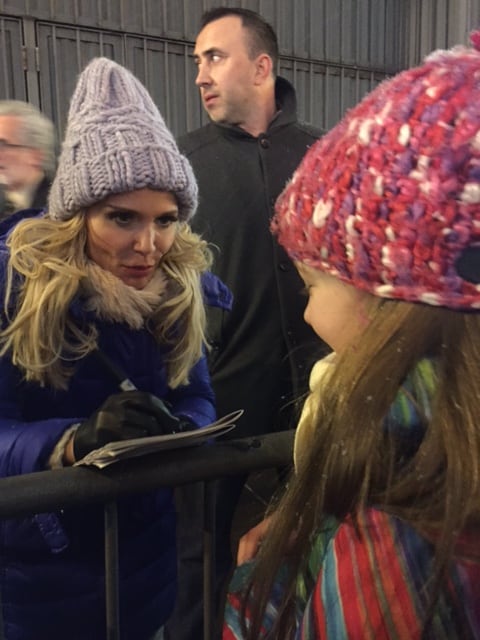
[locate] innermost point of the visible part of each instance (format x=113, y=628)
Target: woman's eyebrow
x=123, y=209
x=171, y=212
x=120, y=208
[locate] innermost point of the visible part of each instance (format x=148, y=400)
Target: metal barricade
x=79, y=486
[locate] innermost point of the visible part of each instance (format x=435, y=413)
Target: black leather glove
x=131, y=414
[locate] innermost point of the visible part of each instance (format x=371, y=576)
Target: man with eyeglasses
x=27, y=156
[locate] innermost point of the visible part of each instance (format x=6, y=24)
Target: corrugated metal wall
x=436, y=24
x=334, y=51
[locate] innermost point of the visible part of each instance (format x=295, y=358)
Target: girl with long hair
x=378, y=534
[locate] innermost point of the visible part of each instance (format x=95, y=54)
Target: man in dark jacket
x=27, y=156
x=242, y=160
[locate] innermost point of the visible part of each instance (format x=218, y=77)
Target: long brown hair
x=352, y=461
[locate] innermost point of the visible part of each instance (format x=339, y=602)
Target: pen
x=120, y=376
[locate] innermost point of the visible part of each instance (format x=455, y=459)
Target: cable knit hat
x=389, y=199
x=116, y=141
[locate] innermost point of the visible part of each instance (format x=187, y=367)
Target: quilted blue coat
x=52, y=564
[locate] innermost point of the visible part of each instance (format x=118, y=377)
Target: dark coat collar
x=286, y=102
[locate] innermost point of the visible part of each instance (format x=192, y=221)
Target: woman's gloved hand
x=126, y=415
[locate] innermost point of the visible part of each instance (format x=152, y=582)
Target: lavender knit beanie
x=116, y=141
x=389, y=199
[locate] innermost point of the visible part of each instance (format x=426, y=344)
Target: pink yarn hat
x=389, y=199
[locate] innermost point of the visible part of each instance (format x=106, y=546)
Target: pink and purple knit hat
x=389, y=199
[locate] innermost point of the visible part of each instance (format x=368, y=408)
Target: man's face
x=20, y=165
x=226, y=75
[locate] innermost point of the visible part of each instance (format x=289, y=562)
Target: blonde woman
x=112, y=268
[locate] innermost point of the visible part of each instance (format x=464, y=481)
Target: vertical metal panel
x=174, y=18
x=473, y=19
x=434, y=24
x=63, y=52
x=335, y=30
x=166, y=68
x=24, y=7
x=332, y=28
x=333, y=50
x=30, y=60
x=130, y=15
x=167, y=71
x=376, y=33
x=193, y=12
x=395, y=34
x=283, y=24
x=267, y=8
x=317, y=37
x=146, y=59
x=319, y=98
x=325, y=92
x=299, y=26
x=349, y=31
x=361, y=16
x=78, y=12
x=12, y=82
x=458, y=23
x=196, y=115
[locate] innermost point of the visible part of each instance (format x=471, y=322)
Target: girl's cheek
x=307, y=314
x=363, y=316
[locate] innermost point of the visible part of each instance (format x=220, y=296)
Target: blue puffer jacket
x=52, y=565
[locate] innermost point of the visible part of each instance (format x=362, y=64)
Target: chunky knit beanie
x=116, y=141
x=389, y=199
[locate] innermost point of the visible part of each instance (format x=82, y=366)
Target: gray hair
x=36, y=130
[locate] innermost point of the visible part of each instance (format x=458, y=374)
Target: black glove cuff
x=184, y=424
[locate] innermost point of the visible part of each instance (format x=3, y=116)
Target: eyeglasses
x=4, y=145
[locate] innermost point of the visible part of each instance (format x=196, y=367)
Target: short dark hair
x=262, y=37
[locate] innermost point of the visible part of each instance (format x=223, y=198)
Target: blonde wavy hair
x=45, y=270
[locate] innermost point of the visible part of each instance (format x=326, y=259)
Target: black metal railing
x=79, y=486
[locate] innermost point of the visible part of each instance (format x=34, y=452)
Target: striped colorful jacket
x=371, y=585
x=368, y=583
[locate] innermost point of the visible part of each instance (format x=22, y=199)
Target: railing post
x=208, y=558
x=112, y=608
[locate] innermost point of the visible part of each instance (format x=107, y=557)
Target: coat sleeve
x=24, y=446
x=195, y=401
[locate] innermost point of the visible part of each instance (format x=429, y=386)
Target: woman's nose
x=145, y=241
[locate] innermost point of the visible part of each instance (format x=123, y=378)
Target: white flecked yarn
x=116, y=141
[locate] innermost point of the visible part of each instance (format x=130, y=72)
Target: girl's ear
x=264, y=68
